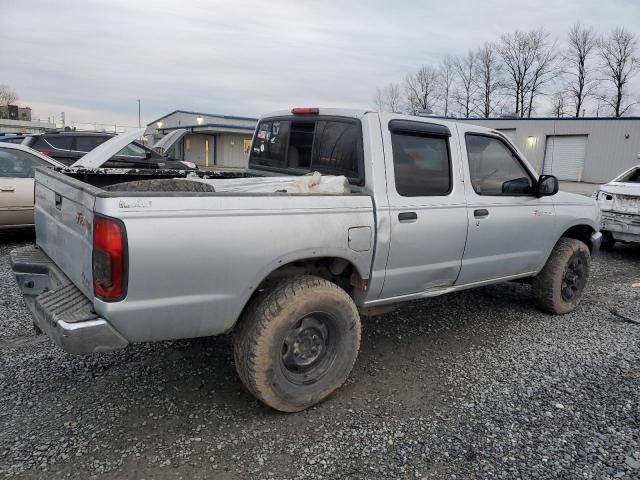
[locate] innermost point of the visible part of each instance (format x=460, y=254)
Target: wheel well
x=580, y=232
x=335, y=269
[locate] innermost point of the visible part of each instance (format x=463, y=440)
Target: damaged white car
x=619, y=202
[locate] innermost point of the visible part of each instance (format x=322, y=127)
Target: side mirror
x=547, y=185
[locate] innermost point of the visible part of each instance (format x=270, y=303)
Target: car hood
x=621, y=188
x=572, y=199
x=169, y=140
x=103, y=152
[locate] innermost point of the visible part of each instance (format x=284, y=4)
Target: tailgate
x=63, y=215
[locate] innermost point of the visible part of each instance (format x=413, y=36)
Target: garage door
x=564, y=156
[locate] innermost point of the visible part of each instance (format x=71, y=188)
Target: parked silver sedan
x=17, y=166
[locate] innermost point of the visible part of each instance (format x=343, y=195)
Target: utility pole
x=139, y=114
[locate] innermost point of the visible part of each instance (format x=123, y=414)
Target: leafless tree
x=422, y=90
x=545, y=68
x=518, y=58
x=530, y=63
x=582, y=84
x=488, y=78
x=446, y=82
x=8, y=96
x=387, y=98
x=558, y=105
x=465, y=70
x=619, y=64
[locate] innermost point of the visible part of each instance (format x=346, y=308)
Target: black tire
x=297, y=343
x=607, y=241
x=559, y=286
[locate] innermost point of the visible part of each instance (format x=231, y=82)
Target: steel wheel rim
x=574, y=278
x=309, y=348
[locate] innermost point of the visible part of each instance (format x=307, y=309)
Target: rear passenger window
x=86, y=144
x=63, y=143
x=421, y=165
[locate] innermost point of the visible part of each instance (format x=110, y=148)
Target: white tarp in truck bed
x=103, y=152
x=315, y=183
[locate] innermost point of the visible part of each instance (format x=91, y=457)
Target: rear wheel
x=559, y=286
x=297, y=342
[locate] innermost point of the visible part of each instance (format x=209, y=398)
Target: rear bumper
x=59, y=309
x=624, y=227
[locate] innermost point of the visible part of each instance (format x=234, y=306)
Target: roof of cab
x=359, y=113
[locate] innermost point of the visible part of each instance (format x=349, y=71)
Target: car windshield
x=632, y=176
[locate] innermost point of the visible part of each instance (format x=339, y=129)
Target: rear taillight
x=45, y=152
x=109, y=259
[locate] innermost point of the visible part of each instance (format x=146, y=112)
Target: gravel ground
x=477, y=384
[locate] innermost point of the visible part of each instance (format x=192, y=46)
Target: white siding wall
x=230, y=150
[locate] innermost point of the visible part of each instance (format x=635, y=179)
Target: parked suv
x=69, y=147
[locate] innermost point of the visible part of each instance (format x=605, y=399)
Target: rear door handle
x=481, y=212
x=7, y=189
x=407, y=217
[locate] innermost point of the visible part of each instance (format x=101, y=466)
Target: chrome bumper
x=59, y=309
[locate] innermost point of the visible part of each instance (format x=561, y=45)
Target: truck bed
x=194, y=257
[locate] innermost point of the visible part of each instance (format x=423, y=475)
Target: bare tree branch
x=488, y=78
x=544, y=68
x=518, y=58
x=619, y=64
x=582, y=84
x=465, y=70
x=422, y=90
x=387, y=98
x=8, y=96
x=446, y=82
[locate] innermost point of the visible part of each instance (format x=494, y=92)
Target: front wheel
x=297, y=343
x=559, y=286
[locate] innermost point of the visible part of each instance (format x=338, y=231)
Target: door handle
x=7, y=189
x=481, y=213
x=407, y=217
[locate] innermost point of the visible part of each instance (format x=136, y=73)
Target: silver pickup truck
x=431, y=207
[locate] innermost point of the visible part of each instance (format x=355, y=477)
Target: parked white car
x=619, y=202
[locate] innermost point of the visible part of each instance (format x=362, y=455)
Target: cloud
x=95, y=58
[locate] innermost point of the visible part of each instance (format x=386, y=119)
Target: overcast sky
x=93, y=58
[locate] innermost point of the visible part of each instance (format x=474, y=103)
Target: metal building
x=211, y=140
x=574, y=149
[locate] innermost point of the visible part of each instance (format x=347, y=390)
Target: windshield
x=632, y=176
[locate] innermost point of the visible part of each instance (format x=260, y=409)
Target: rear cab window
x=299, y=145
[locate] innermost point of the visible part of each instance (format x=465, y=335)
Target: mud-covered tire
x=297, y=342
x=559, y=286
